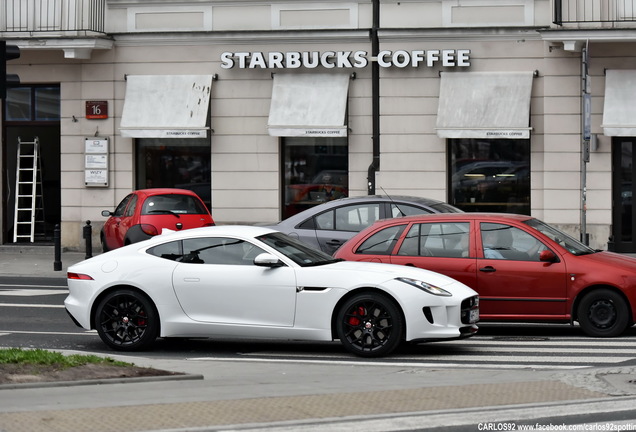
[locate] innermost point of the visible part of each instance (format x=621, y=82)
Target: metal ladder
x=29, y=201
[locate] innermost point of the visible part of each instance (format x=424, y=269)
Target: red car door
x=511, y=281
x=113, y=235
x=443, y=247
x=125, y=221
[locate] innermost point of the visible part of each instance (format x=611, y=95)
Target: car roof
x=428, y=202
x=502, y=217
x=241, y=231
x=164, y=191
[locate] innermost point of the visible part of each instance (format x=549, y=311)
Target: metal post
x=586, y=114
x=57, y=264
x=87, y=233
x=375, y=99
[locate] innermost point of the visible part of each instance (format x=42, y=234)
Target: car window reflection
x=209, y=250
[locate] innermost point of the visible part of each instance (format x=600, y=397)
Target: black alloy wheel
x=126, y=320
x=603, y=313
x=370, y=325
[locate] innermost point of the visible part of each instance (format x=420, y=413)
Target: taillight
x=78, y=276
x=149, y=229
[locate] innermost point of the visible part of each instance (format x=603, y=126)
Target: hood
x=613, y=259
x=379, y=273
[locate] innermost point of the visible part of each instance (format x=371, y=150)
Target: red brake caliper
x=354, y=321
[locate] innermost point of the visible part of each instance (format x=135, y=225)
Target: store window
x=183, y=163
x=490, y=175
x=33, y=104
x=315, y=170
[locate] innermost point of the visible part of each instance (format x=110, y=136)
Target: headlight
x=431, y=289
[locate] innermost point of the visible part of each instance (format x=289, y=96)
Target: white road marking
x=391, y=364
x=31, y=292
x=26, y=305
x=83, y=333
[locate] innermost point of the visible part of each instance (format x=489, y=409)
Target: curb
x=132, y=380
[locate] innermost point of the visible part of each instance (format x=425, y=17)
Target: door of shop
x=32, y=111
x=623, y=183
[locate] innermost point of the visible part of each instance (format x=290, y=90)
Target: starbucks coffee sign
x=345, y=59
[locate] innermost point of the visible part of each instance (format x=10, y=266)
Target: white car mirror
x=267, y=260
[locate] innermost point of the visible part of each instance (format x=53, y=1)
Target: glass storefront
x=175, y=162
x=315, y=170
x=623, y=179
x=32, y=112
x=490, y=175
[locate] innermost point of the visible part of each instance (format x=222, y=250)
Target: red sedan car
x=146, y=212
x=522, y=268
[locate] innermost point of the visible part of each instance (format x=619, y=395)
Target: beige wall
x=245, y=159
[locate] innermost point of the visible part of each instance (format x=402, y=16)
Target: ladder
x=29, y=202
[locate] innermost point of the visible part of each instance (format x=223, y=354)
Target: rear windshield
x=173, y=203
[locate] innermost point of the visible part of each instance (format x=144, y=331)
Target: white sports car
x=253, y=282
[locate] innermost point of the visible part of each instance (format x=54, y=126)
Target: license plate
x=474, y=316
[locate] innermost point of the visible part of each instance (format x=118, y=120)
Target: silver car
x=327, y=226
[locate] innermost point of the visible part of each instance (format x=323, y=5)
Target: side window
x=356, y=217
x=130, y=210
x=507, y=242
x=219, y=250
x=399, y=210
x=170, y=251
x=121, y=207
x=448, y=240
x=325, y=220
x=382, y=242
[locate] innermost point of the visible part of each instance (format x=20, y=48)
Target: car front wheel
x=370, y=325
x=603, y=313
x=127, y=320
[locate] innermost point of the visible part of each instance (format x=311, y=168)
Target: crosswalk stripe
x=81, y=333
x=428, y=364
x=524, y=358
x=576, y=342
x=546, y=349
x=32, y=305
x=32, y=292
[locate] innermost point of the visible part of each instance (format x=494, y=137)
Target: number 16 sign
x=96, y=109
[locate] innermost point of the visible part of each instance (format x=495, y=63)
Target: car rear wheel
x=603, y=313
x=127, y=320
x=370, y=325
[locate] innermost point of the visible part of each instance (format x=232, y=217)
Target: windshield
x=573, y=246
x=298, y=252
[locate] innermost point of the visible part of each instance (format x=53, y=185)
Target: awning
x=166, y=106
x=619, y=111
x=484, y=105
x=311, y=105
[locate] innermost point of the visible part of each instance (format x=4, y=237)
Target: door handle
x=334, y=242
x=488, y=269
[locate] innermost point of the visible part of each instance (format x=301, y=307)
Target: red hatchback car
x=522, y=268
x=146, y=212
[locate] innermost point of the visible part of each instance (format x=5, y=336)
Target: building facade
x=265, y=108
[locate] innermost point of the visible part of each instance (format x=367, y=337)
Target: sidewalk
x=27, y=260
x=285, y=395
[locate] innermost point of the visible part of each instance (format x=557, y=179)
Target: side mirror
x=547, y=256
x=267, y=260
x=106, y=213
